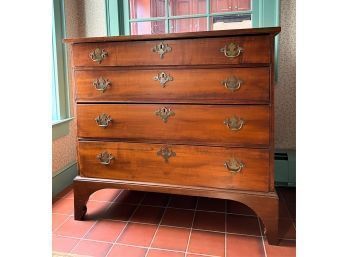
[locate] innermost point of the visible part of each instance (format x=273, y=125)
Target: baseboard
x=63, y=178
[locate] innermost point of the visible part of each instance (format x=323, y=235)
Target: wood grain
x=184, y=52
x=202, y=124
x=187, y=85
x=192, y=165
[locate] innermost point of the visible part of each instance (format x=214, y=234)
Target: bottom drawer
x=217, y=167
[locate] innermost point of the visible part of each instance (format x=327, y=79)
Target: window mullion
x=208, y=14
x=166, y=11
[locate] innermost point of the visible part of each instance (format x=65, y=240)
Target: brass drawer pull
x=98, y=55
x=166, y=153
x=234, y=123
x=163, y=78
x=234, y=165
x=101, y=84
x=105, y=158
x=164, y=113
x=231, y=50
x=103, y=120
x=161, y=49
x=232, y=83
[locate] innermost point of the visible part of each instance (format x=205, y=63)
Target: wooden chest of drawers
x=188, y=113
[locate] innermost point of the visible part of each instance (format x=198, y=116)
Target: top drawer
x=228, y=50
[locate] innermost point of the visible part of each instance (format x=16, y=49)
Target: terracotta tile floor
x=137, y=224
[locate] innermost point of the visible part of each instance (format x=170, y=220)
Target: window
x=60, y=107
x=172, y=16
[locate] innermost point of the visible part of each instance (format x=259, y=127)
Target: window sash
x=60, y=92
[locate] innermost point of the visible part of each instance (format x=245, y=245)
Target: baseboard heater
x=285, y=168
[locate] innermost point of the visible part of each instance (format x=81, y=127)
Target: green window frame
x=264, y=13
x=59, y=81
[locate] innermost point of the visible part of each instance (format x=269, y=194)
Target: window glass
x=146, y=8
x=234, y=21
x=147, y=27
x=188, y=25
x=187, y=7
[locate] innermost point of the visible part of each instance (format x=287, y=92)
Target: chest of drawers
x=188, y=113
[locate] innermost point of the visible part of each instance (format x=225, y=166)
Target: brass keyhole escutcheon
x=166, y=153
x=164, y=113
x=161, y=49
x=163, y=78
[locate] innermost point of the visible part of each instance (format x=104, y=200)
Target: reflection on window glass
x=147, y=27
x=188, y=25
x=146, y=8
x=187, y=7
x=235, y=21
x=229, y=5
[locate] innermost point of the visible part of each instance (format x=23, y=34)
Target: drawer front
x=228, y=85
x=208, y=124
x=216, y=167
x=247, y=49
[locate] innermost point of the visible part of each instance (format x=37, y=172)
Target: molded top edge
x=186, y=35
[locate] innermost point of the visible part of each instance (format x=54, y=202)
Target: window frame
x=264, y=13
x=60, y=85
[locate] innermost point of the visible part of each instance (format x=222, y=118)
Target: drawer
x=240, y=50
x=215, y=167
x=230, y=125
x=225, y=85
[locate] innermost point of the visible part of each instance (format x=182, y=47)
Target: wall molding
x=63, y=178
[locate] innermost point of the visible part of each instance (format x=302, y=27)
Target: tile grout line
x=55, y=230
x=128, y=221
x=193, y=220
x=153, y=238
x=95, y=223
x=263, y=241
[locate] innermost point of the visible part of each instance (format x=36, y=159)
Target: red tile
x=171, y=238
x=138, y=234
x=178, y=218
x=239, y=208
x=130, y=197
x=156, y=199
x=106, y=230
x=63, y=206
x=75, y=228
x=63, y=244
x=92, y=248
x=96, y=210
x=162, y=253
x=148, y=214
x=105, y=195
x=127, y=251
x=244, y=246
x=246, y=225
x=286, y=248
x=209, y=221
x=57, y=220
x=207, y=243
x=183, y=201
x=120, y=211
x=211, y=204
